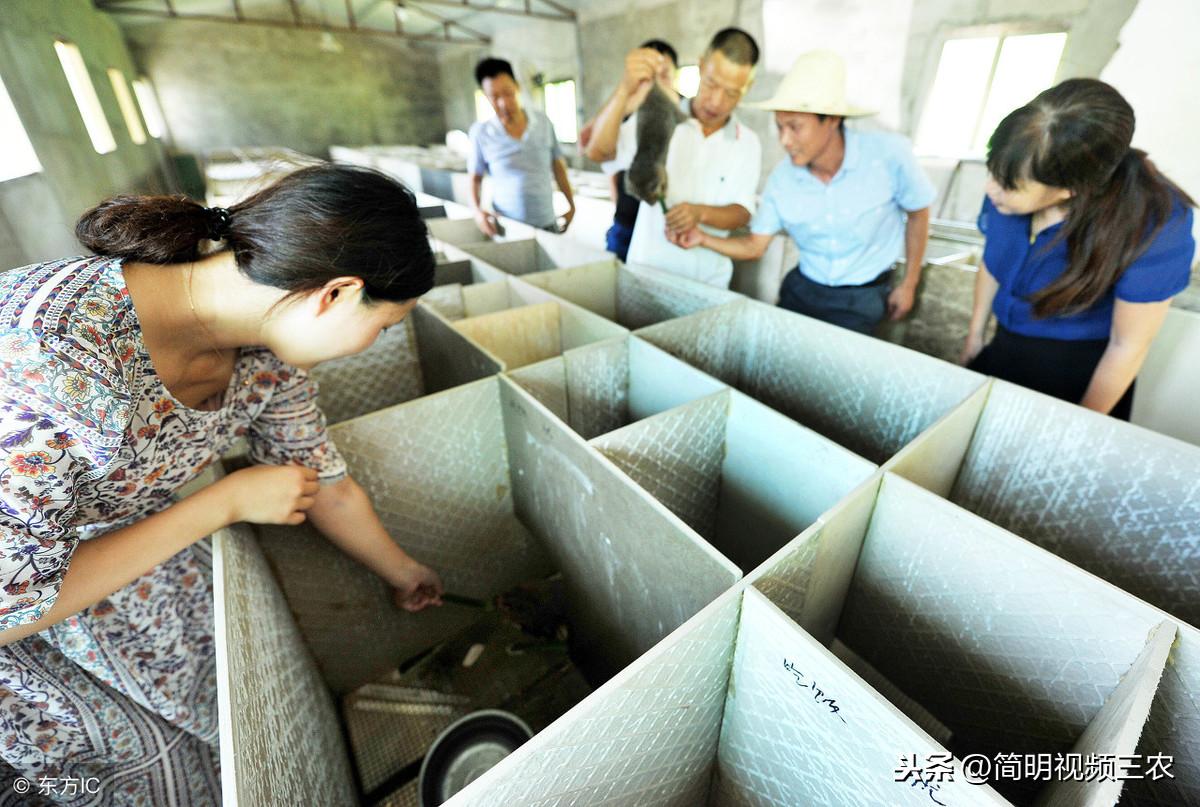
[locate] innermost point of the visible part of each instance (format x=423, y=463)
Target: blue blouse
x=1022, y=269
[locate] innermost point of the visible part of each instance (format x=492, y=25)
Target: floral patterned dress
x=117, y=704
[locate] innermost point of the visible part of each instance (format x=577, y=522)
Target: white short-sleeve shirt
x=721, y=169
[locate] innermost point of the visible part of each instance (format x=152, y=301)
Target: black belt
x=883, y=278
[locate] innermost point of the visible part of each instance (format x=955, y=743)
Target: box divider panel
x=633, y=570
x=1115, y=730
x=933, y=460
x=280, y=737
x=448, y=358
x=647, y=736
x=800, y=727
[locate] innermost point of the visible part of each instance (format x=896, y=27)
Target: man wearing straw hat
x=854, y=201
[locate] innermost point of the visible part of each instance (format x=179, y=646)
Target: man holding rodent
x=713, y=161
x=610, y=138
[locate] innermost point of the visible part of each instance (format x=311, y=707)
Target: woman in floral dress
x=123, y=376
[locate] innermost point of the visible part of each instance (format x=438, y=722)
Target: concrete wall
x=457, y=69
x=870, y=36
x=38, y=212
x=262, y=86
x=891, y=47
x=1155, y=69
x=687, y=24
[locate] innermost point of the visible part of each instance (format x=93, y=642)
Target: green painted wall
x=224, y=85
x=37, y=213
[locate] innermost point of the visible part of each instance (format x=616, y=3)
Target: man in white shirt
x=713, y=162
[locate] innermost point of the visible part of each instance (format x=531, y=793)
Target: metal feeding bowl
x=466, y=750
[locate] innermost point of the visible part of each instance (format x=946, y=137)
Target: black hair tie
x=217, y=221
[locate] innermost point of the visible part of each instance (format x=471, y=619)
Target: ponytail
x=147, y=229
x=313, y=225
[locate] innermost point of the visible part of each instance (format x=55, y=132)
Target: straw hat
x=816, y=83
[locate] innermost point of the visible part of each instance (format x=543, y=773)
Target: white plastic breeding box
x=634, y=296
x=486, y=485
x=899, y=626
x=538, y=251
x=969, y=598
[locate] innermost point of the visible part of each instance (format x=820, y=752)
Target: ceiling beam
x=476, y=38
x=564, y=14
x=445, y=22
x=565, y=11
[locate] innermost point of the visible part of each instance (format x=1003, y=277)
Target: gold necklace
x=212, y=340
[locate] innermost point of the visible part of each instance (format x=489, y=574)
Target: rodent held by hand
x=657, y=118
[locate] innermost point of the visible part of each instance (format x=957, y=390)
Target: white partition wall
x=634, y=296
x=519, y=324
x=744, y=477
x=800, y=727
x=280, y=739
x=1119, y=501
x=870, y=396
x=600, y=387
x=536, y=252
x=422, y=354
x=648, y=736
x=1168, y=383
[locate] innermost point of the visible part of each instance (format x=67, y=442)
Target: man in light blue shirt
x=519, y=150
x=855, y=202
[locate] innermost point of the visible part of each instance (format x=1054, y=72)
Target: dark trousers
x=859, y=308
x=617, y=239
x=1059, y=367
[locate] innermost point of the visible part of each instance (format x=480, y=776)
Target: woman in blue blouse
x=1086, y=245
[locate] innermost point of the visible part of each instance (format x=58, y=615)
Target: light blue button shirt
x=850, y=230
x=522, y=178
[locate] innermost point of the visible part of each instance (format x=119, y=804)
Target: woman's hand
x=417, y=587
x=270, y=494
x=971, y=348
